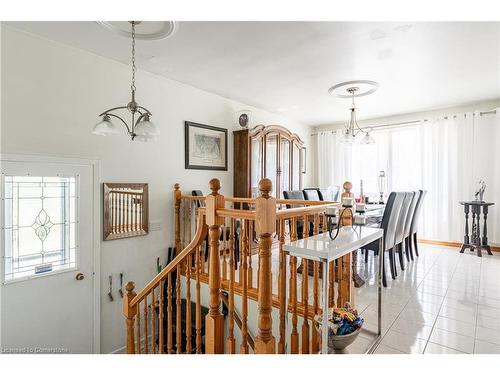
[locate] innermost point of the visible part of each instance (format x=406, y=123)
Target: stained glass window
x=40, y=225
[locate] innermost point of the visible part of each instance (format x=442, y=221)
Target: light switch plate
x=154, y=226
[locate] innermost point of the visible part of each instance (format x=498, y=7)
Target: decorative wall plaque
x=125, y=210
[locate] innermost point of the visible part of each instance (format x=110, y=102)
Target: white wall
x=51, y=96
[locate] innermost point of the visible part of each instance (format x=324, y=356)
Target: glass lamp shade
x=346, y=137
x=146, y=128
x=105, y=127
x=367, y=139
x=145, y=138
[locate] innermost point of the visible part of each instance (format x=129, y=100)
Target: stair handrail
x=198, y=239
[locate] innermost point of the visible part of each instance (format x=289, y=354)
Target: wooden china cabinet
x=266, y=151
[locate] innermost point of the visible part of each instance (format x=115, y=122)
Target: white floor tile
x=464, y=316
x=482, y=347
x=402, y=342
x=444, y=302
x=488, y=335
x=463, y=328
x=384, y=349
x=418, y=330
x=460, y=304
x=452, y=340
x=417, y=316
x=432, y=348
x=487, y=322
x=428, y=307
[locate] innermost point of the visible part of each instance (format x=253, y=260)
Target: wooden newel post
x=130, y=312
x=177, y=218
x=214, y=321
x=265, y=227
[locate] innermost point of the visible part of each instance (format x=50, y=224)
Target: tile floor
x=444, y=302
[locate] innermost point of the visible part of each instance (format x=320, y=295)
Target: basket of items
x=344, y=325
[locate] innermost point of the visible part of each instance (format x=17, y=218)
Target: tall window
x=40, y=220
x=445, y=156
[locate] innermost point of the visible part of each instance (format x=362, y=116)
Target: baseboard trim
x=451, y=244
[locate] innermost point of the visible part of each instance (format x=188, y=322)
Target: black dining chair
x=388, y=224
x=414, y=222
x=311, y=194
x=409, y=218
x=400, y=228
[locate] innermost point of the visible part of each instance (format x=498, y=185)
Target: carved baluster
x=130, y=312
x=189, y=316
x=324, y=224
x=190, y=220
x=178, y=307
x=265, y=226
x=282, y=288
x=146, y=322
x=127, y=223
x=244, y=284
x=136, y=222
x=139, y=349
x=294, y=337
x=141, y=226
x=203, y=256
x=315, y=336
x=161, y=317
x=231, y=344
x=120, y=222
x=177, y=208
x=153, y=322
x=305, y=293
x=183, y=227
x=214, y=320
x=250, y=246
x=198, y=301
x=305, y=304
x=170, y=312
x=305, y=227
x=224, y=252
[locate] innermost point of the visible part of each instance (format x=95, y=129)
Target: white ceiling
x=287, y=67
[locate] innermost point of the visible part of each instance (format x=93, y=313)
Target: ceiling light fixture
x=354, y=89
x=140, y=129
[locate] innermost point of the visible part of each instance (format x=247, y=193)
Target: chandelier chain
x=133, y=57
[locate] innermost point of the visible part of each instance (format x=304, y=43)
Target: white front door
x=47, y=297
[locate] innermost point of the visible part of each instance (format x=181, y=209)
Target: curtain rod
x=406, y=123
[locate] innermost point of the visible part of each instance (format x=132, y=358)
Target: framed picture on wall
x=205, y=147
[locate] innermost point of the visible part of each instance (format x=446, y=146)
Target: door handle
x=79, y=276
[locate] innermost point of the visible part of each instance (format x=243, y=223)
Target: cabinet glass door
x=256, y=166
x=284, y=166
x=271, y=159
x=296, y=167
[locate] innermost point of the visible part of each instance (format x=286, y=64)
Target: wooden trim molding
x=261, y=130
x=450, y=244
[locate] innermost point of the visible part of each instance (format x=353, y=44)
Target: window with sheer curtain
x=445, y=156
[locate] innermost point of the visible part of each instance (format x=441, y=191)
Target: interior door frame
x=95, y=164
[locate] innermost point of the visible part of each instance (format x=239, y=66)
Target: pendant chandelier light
x=140, y=128
x=352, y=129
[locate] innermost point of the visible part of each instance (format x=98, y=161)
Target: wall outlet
x=154, y=226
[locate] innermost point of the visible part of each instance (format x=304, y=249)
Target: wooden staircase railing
x=240, y=251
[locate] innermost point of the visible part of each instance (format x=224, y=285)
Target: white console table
x=322, y=248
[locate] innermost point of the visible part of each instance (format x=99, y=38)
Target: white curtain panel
x=445, y=156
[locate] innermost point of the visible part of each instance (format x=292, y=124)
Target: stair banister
x=265, y=227
x=214, y=321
